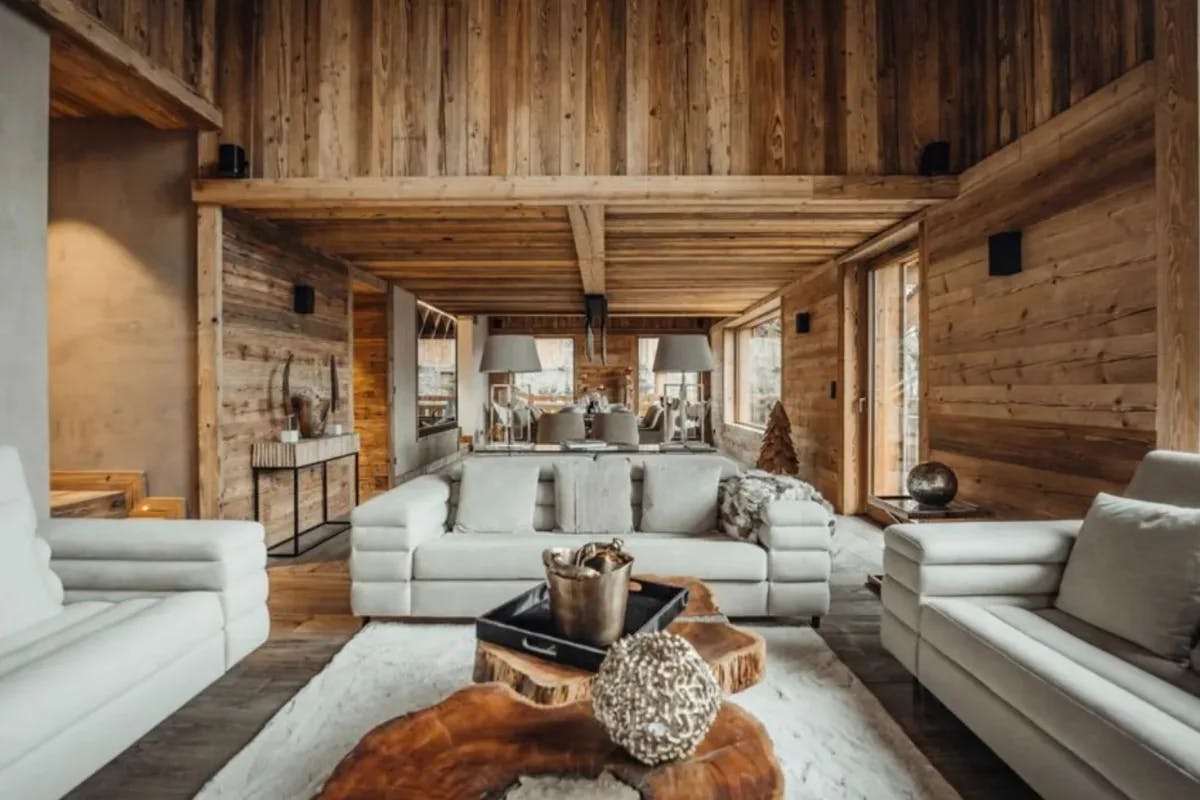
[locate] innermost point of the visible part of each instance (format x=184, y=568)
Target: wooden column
x=209, y=260
x=1176, y=179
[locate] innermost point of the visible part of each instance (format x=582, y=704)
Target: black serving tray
x=525, y=624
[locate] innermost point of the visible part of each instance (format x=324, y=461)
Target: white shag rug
x=831, y=736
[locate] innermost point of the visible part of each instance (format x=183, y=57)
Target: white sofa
x=407, y=561
x=138, y=616
x=1076, y=711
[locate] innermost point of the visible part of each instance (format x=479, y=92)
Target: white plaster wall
x=405, y=450
x=123, y=301
x=24, y=134
x=472, y=384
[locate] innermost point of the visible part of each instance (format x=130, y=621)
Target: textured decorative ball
x=655, y=696
x=932, y=483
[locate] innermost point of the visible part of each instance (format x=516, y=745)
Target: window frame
x=451, y=424
x=571, y=378
x=737, y=340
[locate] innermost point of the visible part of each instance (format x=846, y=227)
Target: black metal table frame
x=325, y=520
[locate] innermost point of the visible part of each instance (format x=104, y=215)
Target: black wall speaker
x=1004, y=253
x=803, y=322
x=935, y=159
x=304, y=299
x=232, y=163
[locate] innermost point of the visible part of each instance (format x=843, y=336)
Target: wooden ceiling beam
x=587, y=226
x=98, y=63
x=560, y=190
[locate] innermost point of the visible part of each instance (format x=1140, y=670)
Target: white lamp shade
x=684, y=353
x=510, y=353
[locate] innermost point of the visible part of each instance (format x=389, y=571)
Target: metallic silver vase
x=589, y=591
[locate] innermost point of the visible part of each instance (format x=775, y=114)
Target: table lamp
x=684, y=353
x=507, y=354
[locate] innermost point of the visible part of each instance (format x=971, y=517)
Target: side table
x=298, y=456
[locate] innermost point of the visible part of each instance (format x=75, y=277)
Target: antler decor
x=310, y=409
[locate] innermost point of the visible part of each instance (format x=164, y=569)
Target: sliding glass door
x=893, y=295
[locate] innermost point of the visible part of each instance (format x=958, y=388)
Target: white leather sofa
x=138, y=617
x=1077, y=712
x=407, y=561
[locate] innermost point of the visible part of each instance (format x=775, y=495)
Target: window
x=554, y=386
x=437, y=370
x=894, y=292
x=651, y=385
x=758, y=354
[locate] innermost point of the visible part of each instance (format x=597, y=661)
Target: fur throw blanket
x=744, y=500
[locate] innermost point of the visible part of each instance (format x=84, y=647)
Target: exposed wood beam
x=903, y=231
x=483, y=190
x=587, y=226
x=87, y=53
x=1176, y=181
x=209, y=330
x=363, y=281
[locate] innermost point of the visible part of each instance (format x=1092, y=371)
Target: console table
x=296, y=457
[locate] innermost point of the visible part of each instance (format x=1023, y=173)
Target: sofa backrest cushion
x=592, y=496
x=544, y=512
x=680, y=496
x=497, y=496
x=1165, y=476
x=1135, y=572
x=29, y=591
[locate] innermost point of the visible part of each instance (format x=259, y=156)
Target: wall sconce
x=1004, y=253
x=803, y=322
x=304, y=299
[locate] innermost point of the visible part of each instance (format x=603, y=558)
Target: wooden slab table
x=480, y=740
x=736, y=656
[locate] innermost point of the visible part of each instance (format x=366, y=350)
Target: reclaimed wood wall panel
x=811, y=362
x=324, y=88
x=1042, y=385
x=168, y=32
x=260, y=329
x=372, y=415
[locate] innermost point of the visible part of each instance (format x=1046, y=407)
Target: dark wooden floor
x=310, y=623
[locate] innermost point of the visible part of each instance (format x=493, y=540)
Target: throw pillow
x=593, y=496
x=497, y=495
x=1135, y=572
x=679, y=495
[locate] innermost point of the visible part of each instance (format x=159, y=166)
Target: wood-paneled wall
x=372, y=412
x=811, y=362
x=260, y=330
x=166, y=31
x=1042, y=385
x=333, y=88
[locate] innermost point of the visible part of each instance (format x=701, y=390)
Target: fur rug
x=744, y=500
x=831, y=736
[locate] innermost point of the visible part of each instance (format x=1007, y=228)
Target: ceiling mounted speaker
x=1004, y=253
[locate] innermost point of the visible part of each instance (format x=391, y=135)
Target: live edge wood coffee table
x=480, y=740
x=736, y=656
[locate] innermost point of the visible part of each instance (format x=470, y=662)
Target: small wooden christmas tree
x=778, y=455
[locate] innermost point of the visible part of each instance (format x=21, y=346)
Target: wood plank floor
x=311, y=622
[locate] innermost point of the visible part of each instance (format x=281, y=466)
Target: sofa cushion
x=593, y=496
x=27, y=593
x=465, y=556
x=1135, y=572
x=680, y=496
x=497, y=496
x=69, y=670
x=1140, y=732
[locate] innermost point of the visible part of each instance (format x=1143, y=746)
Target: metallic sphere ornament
x=655, y=696
x=932, y=483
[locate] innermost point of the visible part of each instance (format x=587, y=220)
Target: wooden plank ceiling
x=653, y=245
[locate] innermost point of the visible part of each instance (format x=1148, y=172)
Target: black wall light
x=1004, y=253
x=304, y=299
x=803, y=322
